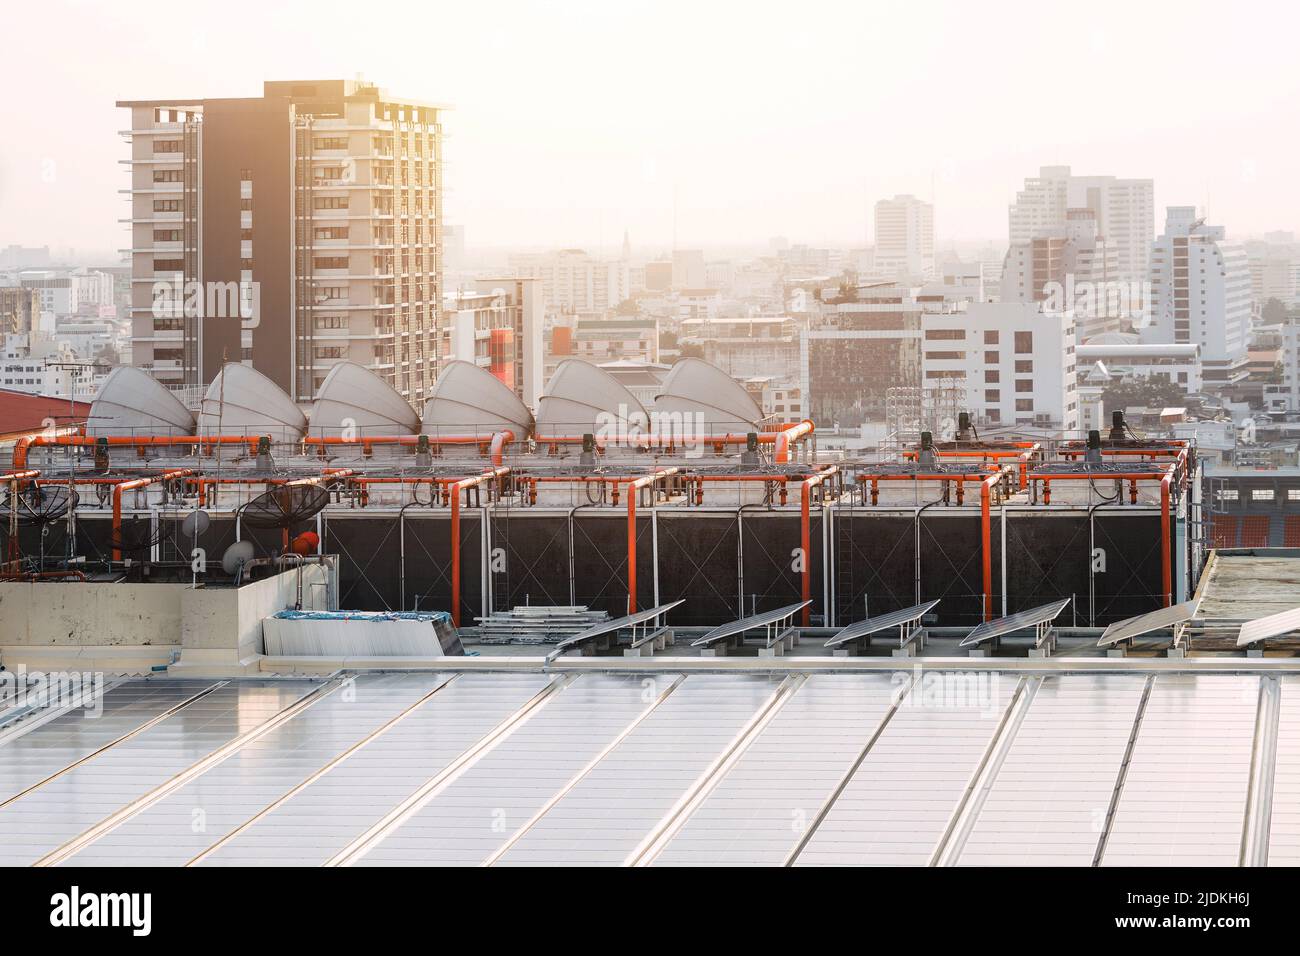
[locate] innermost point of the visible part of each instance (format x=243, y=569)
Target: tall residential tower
x=318, y=204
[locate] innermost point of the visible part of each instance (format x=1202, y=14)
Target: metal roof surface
x=660, y=766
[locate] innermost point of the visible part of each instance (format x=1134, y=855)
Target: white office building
x=574, y=281
x=904, y=238
x=1200, y=289
x=1124, y=209
x=1016, y=361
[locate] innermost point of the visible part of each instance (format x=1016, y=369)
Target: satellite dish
x=39, y=504
x=236, y=556
x=195, y=523
x=285, y=506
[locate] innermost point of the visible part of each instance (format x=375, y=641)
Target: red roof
x=22, y=412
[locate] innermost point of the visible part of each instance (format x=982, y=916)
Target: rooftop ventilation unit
x=130, y=402
x=471, y=401
x=243, y=401
x=701, y=397
x=353, y=402
x=582, y=399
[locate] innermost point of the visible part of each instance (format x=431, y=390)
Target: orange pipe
x=633, y=486
x=805, y=534
x=495, y=444
x=141, y=442
x=1166, y=550
x=986, y=540
x=454, y=488
x=130, y=486
x=785, y=440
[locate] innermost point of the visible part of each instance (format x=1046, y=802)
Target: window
x=167, y=235
x=331, y=202
x=1024, y=404
x=991, y=337
x=1228, y=494
x=331, y=232
x=1293, y=494
x=331, y=322
x=991, y=358
x=167, y=146
x=1024, y=367
x=1261, y=494
x=329, y=351
x=1024, y=343
x=245, y=175
x=992, y=395
x=330, y=262
x=991, y=375
x=246, y=234
x=946, y=334
x=166, y=205
x=169, y=265
x=1024, y=385
x=944, y=356
x=166, y=175
x=330, y=142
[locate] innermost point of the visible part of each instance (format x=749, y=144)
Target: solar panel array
x=662, y=768
x=1015, y=622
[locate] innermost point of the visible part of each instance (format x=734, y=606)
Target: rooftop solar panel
x=610, y=627
x=881, y=622
x=1145, y=623
x=733, y=628
x=1274, y=625
x=1034, y=617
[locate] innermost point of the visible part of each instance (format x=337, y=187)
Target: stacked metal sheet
x=537, y=624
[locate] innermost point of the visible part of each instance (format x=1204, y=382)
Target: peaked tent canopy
x=132, y=402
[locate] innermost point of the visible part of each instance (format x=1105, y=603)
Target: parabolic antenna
x=195, y=523
x=236, y=556
x=39, y=504
x=285, y=506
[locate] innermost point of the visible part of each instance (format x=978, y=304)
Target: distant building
x=1124, y=210
x=746, y=346
x=1075, y=268
x=1017, y=363
x=904, y=237
x=689, y=271
x=318, y=206
x=20, y=309
x=574, y=281
x=1200, y=287
x=497, y=325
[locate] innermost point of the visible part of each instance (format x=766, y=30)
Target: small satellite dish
x=195, y=523
x=236, y=556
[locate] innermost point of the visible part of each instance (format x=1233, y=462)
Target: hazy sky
x=575, y=120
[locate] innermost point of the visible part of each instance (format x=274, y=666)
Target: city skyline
x=714, y=127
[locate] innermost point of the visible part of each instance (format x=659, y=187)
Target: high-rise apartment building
x=904, y=238
x=1200, y=289
x=308, y=223
x=1124, y=210
x=574, y=281
x=1075, y=268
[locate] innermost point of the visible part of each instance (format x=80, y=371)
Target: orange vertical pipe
x=632, y=487
x=805, y=536
x=986, y=541
x=1166, y=550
